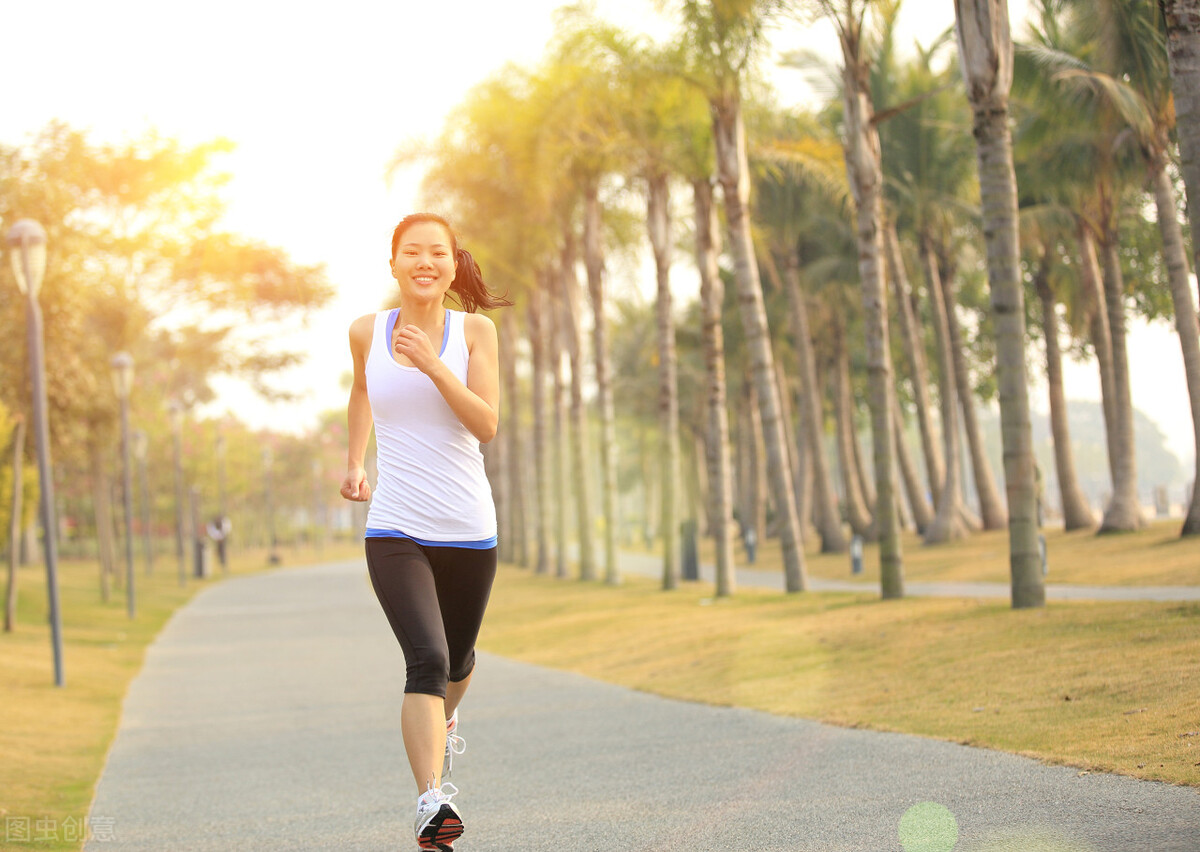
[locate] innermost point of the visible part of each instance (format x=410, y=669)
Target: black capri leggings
x=434, y=598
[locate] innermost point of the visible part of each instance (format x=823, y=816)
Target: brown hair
x=468, y=287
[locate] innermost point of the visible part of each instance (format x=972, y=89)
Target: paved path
x=651, y=566
x=266, y=717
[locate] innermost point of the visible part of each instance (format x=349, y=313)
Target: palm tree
x=1183, y=49
x=985, y=50
x=1100, y=136
x=1130, y=77
x=800, y=178
x=581, y=124
x=1076, y=514
x=721, y=37
x=712, y=290
x=865, y=168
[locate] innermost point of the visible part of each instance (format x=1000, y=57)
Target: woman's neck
x=424, y=315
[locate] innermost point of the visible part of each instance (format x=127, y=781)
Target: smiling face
x=424, y=264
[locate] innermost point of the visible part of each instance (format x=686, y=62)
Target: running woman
x=428, y=379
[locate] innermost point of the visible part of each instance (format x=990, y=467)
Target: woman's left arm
x=477, y=403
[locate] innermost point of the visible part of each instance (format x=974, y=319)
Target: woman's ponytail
x=469, y=287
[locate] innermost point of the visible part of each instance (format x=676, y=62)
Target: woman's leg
x=454, y=694
x=464, y=580
x=423, y=724
x=404, y=583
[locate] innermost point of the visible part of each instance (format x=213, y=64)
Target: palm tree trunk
x=658, y=220
x=559, y=469
x=801, y=479
x=1123, y=512
x=986, y=50
x=569, y=285
x=1076, y=514
x=712, y=295
x=947, y=522
x=1175, y=256
x=1093, y=286
x=825, y=514
x=753, y=464
x=857, y=513
x=866, y=484
x=514, y=446
x=914, y=348
x=865, y=171
x=801, y=482
x=922, y=513
x=733, y=168
x=537, y=394
x=594, y=261
x=991, y=508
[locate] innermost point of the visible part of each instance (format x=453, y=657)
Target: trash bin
x=856, y=555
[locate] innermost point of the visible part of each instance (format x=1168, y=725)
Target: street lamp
x=122, y=376
x=140, y=446
x=175, y=412
x=27, y=239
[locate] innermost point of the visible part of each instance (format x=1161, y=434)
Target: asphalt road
x=266, y=717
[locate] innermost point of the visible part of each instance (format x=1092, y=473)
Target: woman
x=431, y=528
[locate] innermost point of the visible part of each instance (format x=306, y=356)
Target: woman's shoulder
x=478, y=327
x=478, y=323
x=362, y=329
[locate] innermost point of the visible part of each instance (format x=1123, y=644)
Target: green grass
x=54, y=741
x=1099, y=686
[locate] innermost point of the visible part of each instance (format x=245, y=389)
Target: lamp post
x=222, y=521
x=122, y=376
x=268, y=489
x=175, y=411
x=27, y=239
x=140, y=446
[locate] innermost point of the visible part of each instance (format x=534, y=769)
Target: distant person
x=219, y=529
x=750, y=542
x=429, y=379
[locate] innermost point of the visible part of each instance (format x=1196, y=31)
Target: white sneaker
x=439, y=823
x=454, y=743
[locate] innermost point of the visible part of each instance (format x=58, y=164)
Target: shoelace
x=454, y=745
x=437, y=795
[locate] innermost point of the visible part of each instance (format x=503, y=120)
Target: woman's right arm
x=358, y=413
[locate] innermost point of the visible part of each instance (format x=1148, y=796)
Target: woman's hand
x=414, y=344
x=355, y=486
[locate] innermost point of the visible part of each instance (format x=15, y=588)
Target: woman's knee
x=428, y=672
x=462, y=668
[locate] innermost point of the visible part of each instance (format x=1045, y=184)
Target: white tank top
x=431, y=484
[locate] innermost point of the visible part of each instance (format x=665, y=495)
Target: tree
x=865, y=169
x=985, y=50
x=134, y=244
x=1182, y=24
x=721, y=37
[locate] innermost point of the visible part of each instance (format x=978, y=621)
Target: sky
x=318, y=101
